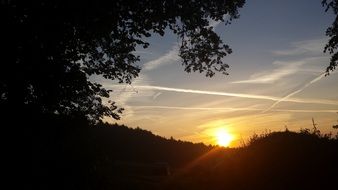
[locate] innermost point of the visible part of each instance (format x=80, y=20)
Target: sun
x=223, y=137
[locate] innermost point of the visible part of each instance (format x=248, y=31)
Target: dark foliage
x=85, y=157
x=68, y=156
x=332, y=32
x=278, y=160
x=50, y=48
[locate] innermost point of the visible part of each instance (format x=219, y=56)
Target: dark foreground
x=73, y=155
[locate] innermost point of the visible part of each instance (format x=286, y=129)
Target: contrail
x=233, y=109
x=295, y=92
x=240, y=95
x=196, y=108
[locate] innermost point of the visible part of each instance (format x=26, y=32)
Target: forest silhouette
x=111, y=156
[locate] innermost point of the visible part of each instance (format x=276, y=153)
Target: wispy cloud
x=309, y=48
x=313, y=46
x=283, y=70
x=138, y=52
x=124, y=93
x=169, y=57
x=172, y=55
x=239, y=95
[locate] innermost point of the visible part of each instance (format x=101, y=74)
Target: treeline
x=72, y=154
x=119, y=142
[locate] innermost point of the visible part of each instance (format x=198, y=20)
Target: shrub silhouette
x=277, y=160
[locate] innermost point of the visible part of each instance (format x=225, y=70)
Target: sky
x=275, y=79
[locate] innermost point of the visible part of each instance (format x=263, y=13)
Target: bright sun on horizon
x=223, y=137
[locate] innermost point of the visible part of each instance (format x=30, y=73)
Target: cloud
x=172, y=55
x=313, y=46
x=123, y=93
x=284, y=69
x=169, y=57
x=138, y=52
x=309, y=48
x=239, y=95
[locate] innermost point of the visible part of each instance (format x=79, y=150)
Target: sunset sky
x=275, y=78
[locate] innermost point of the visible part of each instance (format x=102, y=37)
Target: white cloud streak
x=285, y=69
x=239, y=95
x=314, y=46
x=172, y=55
x=310, y=48
x=285, y=98
x=230, y=109
x=169, y=57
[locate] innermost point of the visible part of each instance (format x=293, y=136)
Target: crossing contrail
x=285, y=98
x=239, y=95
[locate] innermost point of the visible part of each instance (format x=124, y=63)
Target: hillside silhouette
x=110, y=156
x=277, y=160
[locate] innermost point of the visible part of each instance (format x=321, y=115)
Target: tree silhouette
x=332, y=32
x=52, y=48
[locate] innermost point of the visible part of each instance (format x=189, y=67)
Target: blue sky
x=275, y=78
